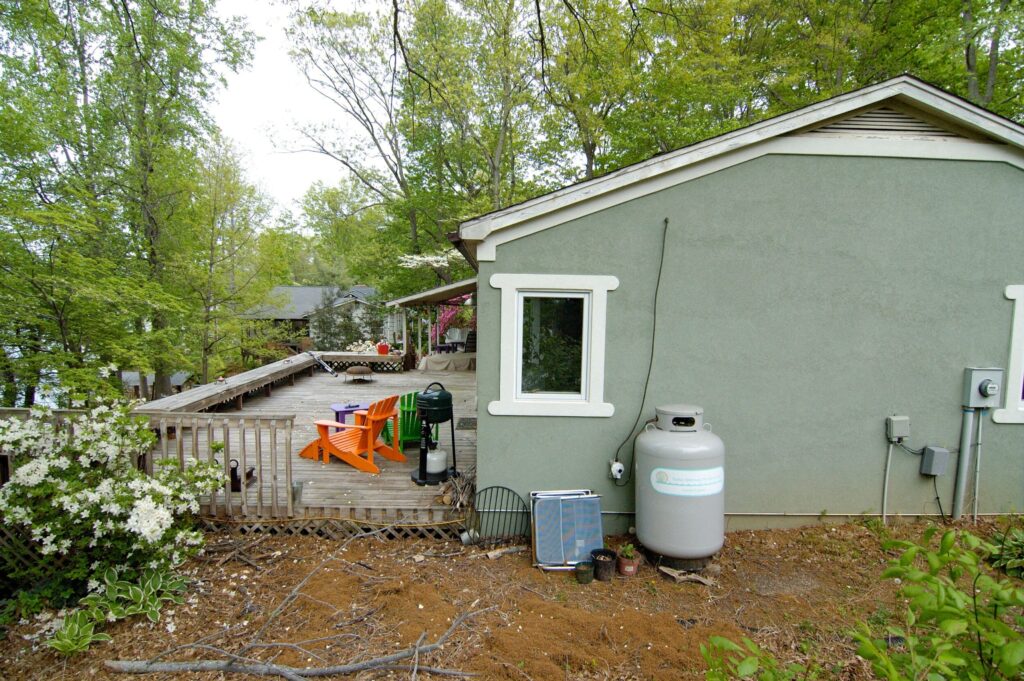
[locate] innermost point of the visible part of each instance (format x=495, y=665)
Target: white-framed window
x=552, y=344
x=1013, y=400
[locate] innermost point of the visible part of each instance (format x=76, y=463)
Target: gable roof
x=299, y=302
x=899, y=117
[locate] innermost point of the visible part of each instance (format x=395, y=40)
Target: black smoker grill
x=433, y=406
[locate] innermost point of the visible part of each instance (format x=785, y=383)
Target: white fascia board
x=548, y=209
x=951, y=149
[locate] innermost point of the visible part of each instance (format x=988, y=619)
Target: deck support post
x=239, y=402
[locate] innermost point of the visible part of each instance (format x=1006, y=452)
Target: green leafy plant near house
x=117, y=599
x=1008, y=552
x=960, y=623
x=729, y=660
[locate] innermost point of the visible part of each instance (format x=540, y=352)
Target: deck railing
x=239, y=439
x=243, y=438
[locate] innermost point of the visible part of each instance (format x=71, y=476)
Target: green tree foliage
x=103, y=115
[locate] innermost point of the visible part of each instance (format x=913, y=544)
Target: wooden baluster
x=288, y=466
x=195, y=438
x=258, y=430
x=179, y=440
x=242, y=466
x=163, y=441
x=210, y=459
x=273, y=469
x=226, y=434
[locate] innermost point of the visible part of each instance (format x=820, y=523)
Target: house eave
x=905, y=89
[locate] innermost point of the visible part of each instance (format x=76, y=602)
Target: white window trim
x=581, y=394
x=1013, y=405
x=591, y=401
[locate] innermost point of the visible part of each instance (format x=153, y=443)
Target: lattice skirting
x=338, y=528
x=18, y=553
x=380, y=367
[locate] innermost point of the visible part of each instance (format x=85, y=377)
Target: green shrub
x=1008, y=552
x=78, y=495
x=960, y=623
x=729, y=660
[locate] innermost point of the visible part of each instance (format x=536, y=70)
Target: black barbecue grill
x=433, y=406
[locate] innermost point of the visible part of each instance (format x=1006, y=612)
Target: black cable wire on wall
x=625, y=480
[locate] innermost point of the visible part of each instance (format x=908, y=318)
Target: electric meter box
x=983, y=387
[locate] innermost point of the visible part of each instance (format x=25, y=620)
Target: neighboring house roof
x=902, y=117
x=130, y=379
x=437, y=295
x=299, y=302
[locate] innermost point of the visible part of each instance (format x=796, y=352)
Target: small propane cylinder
x=680, y=485
x=437, y=461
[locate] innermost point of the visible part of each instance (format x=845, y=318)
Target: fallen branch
x=239, y=665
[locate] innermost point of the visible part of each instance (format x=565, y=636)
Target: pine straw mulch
x=310, y=602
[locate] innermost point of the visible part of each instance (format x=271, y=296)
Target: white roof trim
x=552, y=209
x=435, y=295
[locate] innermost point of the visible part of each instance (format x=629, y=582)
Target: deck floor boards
x=336, y=489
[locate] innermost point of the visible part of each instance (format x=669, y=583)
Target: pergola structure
x=431, y=299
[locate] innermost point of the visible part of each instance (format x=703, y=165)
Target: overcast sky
x=262, y=106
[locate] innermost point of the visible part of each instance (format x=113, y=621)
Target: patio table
x=343, y=409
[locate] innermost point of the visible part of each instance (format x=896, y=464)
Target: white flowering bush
x=362, y=346
x=76, y=491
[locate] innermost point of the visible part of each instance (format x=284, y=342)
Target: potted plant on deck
x=629, y=560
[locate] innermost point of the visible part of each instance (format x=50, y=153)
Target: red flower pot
x=383, y=348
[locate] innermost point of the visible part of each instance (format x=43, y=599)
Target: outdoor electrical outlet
x=934, y=460
x=897, y=428
x=617, y=469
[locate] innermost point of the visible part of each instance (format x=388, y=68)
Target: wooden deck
x=341, y=490
x=334, y=489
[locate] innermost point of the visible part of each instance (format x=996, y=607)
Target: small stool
x=359, y=373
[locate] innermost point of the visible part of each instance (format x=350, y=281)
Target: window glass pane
x=552, y=334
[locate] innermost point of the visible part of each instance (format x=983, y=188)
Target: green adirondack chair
x=408, y=424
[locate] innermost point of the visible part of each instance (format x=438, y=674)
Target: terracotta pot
x=628, y=567
x=383, y=348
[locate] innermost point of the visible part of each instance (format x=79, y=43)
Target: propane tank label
x=688, y=482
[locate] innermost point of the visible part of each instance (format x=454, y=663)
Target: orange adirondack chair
x=355, y=443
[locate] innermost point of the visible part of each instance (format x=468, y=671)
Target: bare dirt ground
x=796, y=592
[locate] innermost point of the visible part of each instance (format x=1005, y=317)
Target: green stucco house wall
x=801, y=280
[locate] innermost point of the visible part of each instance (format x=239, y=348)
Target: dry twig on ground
x=242, y=665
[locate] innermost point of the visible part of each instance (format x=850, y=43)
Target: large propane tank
x=680, y=481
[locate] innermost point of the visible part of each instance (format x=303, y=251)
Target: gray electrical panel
x=934, y=461
x=982, y=387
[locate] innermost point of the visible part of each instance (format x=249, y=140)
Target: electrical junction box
x=934, y=461
x=897, y=428
x=983, y=387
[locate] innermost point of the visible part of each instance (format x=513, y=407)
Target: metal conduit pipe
x=963, y=462
x=885, y=482
x=977, y=466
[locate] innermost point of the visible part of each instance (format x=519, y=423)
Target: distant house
x=801, y=279
x=294, y=306
x=180, y=381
